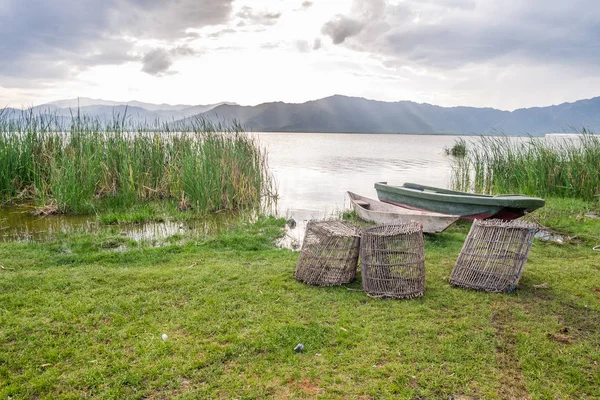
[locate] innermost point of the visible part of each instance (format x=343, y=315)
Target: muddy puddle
x=551, y=236
x=18, y=224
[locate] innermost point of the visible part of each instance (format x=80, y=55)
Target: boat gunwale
x=508, y=201
x=401, y=210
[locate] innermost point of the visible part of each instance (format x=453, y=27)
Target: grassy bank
x=78, y=320
x=565, y=167
x=82, y=166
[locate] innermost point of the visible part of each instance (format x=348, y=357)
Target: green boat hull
x=467, y=205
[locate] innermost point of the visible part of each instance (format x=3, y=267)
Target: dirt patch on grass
x=304, y=386
x=308, y=387
x=560, y=338
x=579, y=320
x=512, y=383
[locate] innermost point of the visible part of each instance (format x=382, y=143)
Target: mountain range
x=347, y=114
x=106, y=110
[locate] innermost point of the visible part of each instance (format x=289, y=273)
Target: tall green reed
x=562, y=167
x=82, y=164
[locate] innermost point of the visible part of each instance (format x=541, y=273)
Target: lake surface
x=313, y=171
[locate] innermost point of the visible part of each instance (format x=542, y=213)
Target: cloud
x=341, y=28
x=183, y=50
x=63, y=37
x=157, y=62
x=452, y=34
x=307, y=4
x=302, y=46
x=270, y=45
x=167, y=19
x=221, y=32
x=249, y=16
x=317, y=44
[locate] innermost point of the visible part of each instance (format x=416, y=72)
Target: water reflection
x=18, y=224
x=314, y=170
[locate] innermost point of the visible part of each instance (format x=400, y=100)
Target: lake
x=313, y=171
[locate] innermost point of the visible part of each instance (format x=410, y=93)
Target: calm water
x=313, y=171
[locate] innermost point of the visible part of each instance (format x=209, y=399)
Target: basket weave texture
x=494, y=255
x=329, y=254
x=393, y=261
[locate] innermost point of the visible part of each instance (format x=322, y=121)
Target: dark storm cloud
x=49, y=40
x=451, y=34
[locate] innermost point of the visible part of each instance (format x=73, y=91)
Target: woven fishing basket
x=393, y=261
x=329, y=254
x=494, y=255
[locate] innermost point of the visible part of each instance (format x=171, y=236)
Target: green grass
x=156, y=211
x=566, y=168
x=459, y=149
x=85, y=167
x=79, y=319
x=568, y=216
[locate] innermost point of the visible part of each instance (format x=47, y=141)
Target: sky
x=505, y=54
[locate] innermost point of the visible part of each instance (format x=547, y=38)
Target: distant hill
x=352, y=114
x=345, y=114
x=107, y=110
x=86, y=101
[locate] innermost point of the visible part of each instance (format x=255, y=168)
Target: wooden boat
x=466, y=205
x=382, y=213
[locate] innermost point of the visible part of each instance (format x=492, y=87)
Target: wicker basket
x=329, y=254
x=493, y=256
x=392, y=260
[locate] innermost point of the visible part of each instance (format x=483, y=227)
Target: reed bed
x=78, y=165
x=561, y=167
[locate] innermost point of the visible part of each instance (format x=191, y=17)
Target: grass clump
x=566, y=167
x=250, y=236
x=459, y=149
x=82, y=165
